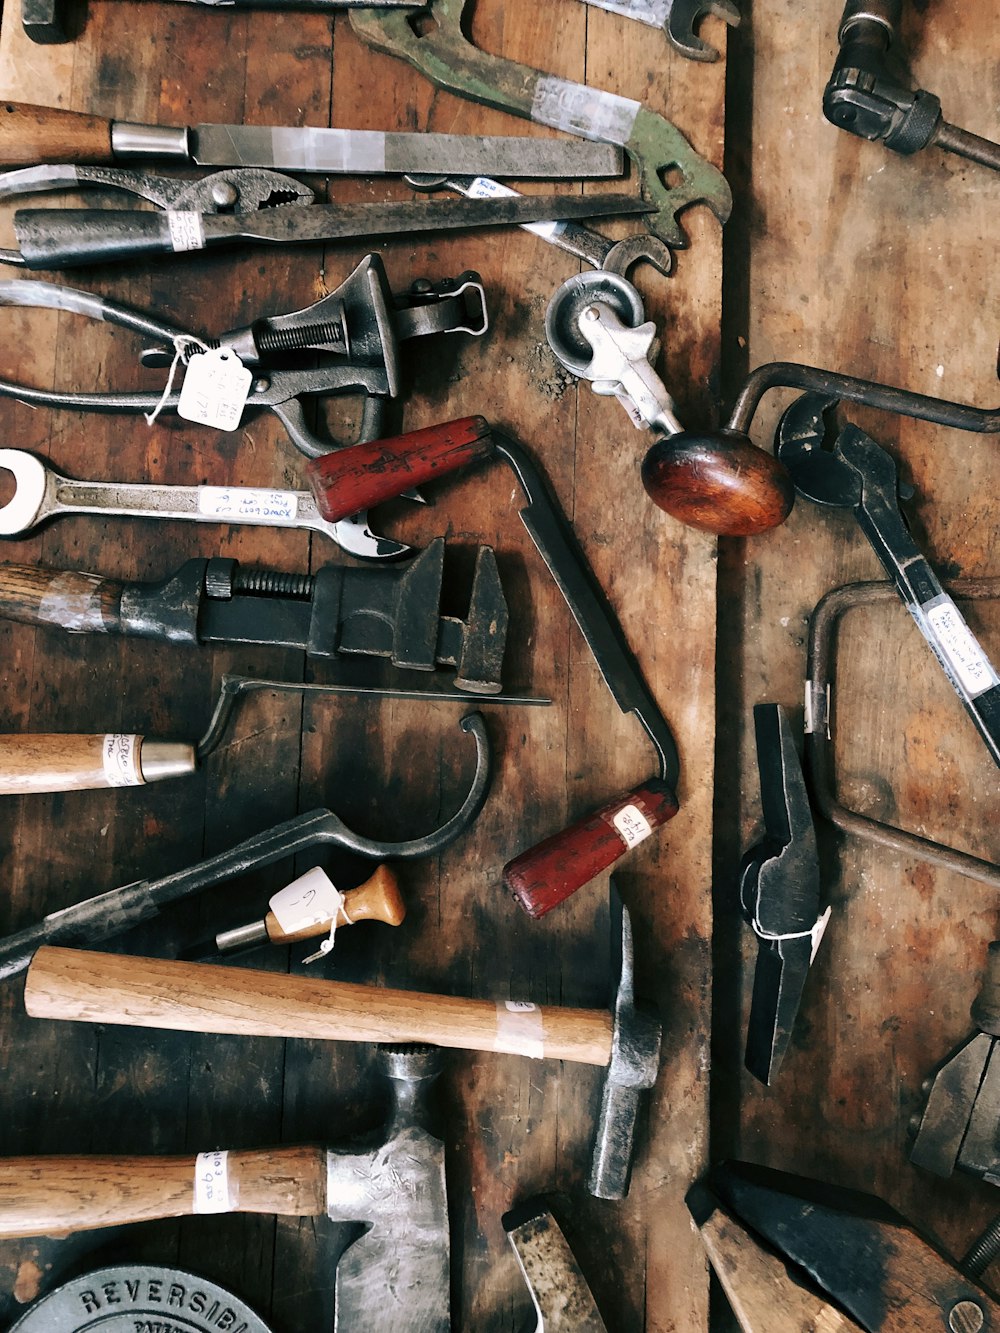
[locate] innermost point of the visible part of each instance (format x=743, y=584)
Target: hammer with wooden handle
x=199, y=997
x=544, y=875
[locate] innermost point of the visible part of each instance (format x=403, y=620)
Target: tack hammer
x=543, y=876
x=394, y=1279
x=201, y=997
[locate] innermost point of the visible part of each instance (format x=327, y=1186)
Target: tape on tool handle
x=364, y=475
x=545, y=874
x=50, y=762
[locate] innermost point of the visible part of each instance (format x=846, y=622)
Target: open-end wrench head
x=354, y=536
x=683, y=15
x=24, y=508
x=625, y=254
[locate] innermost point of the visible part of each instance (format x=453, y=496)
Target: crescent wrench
x=41, y=493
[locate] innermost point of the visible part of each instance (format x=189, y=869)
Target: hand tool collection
x=368, y=628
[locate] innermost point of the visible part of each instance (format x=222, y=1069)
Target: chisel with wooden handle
x=34, y=134
x=366, y=474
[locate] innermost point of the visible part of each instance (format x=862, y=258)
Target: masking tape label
x=211, y=1183
x=308, y=901
x=314, y=149
x=485, y=188
x=632, y=825
x=653, y=12
x=73, y=601
x=186, y=231
x=237, y=504
x=957, y=646
x=564, y=105
x=520, y=1029
x=120, y=756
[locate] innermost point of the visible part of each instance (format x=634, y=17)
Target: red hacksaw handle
x=349, y=480
x=545, y=874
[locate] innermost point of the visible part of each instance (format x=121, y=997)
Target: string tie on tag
x=327, y=945
x=184, y=345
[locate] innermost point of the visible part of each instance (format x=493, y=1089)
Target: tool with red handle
x=366, y=474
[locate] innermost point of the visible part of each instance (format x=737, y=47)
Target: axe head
x=559, y=1291
x=395, y=1279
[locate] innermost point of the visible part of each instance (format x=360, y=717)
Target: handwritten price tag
x=215, y=389
x=310, y=900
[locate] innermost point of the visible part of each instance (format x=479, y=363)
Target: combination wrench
x=858, y=474
x=41, y=493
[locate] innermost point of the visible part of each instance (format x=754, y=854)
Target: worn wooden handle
x=49, y=762
x=543, y=876
x=81, y=603
x=377, y=899
x=45, y=1196
x=199, y=997
x=30, y=134
x=350, y=480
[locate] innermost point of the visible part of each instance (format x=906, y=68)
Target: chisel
x=30, y=134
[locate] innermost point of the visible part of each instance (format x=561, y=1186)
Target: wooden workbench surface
x=512, y=1128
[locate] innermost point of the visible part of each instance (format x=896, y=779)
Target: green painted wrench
x=446, y=56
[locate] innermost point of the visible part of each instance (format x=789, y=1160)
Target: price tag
x=120, y=754
x=215, y=389
x=211, y=1183
x=958, y=646
x=310, y=900
x=246, y=504
x=485, y=188
x=632, y=825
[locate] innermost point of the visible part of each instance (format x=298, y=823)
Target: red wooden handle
x=544, y=875
x=349, y=480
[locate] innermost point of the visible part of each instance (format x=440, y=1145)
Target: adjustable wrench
x=573, y=237
x=41, y=493
x=859, y=474
x=677, y=18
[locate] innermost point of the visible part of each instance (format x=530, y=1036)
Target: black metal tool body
x=859, y=475
x=780, y=894
x=384, y=612
x=865, y=97
x=111, y=913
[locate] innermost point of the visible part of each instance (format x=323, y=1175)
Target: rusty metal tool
x=719, y=482
x=559, y=1291
x=38, y=133
x=677, y=18
x=543, y=876
x=198, y=997
x=108, y=914
x=780, y=894
x=865, y=97
x=59, y=238
x=383, y=612
x=833, y=1259
x=824, y=628
x=394, y=1279
x=571, y=237
x=858, y=474
x=672, y=175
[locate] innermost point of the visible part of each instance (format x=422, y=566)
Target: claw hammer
x=366, y=474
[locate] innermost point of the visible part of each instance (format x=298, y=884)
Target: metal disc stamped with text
x=138, y=1298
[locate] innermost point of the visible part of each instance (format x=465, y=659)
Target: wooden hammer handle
x=78, y=602
x=199, y=997
x=545, y=874
x=45, y=1196
x=349, y=480
x=30, y=134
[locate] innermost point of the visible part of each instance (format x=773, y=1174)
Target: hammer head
x=635, y=1062
x=43, y=21
x=395, y=1278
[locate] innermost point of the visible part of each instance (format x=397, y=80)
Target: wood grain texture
x=30, y=134
x=513, y=1127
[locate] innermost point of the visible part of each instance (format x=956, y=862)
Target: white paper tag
x=563, y=105
x=215, y=389
x=957, y=644
x=120, y=755
x=485, y=188
x=186, y=230
x=243, y=504
x=211, y=1183
x=308, y=901
x=632, y=825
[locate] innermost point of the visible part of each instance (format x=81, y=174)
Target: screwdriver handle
x=377, y=899
x=30, y=134
x=350, y=480
x=78, y=602
x=39, y=762
x=47, y=1196
x=545, y=874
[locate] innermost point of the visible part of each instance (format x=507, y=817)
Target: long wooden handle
x=40, y=762
x=78, y=602
x=349, y=480
x=199, y=997
x=377, y=899
x=45, y=1196
x=545, y=874
x=30, y=134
